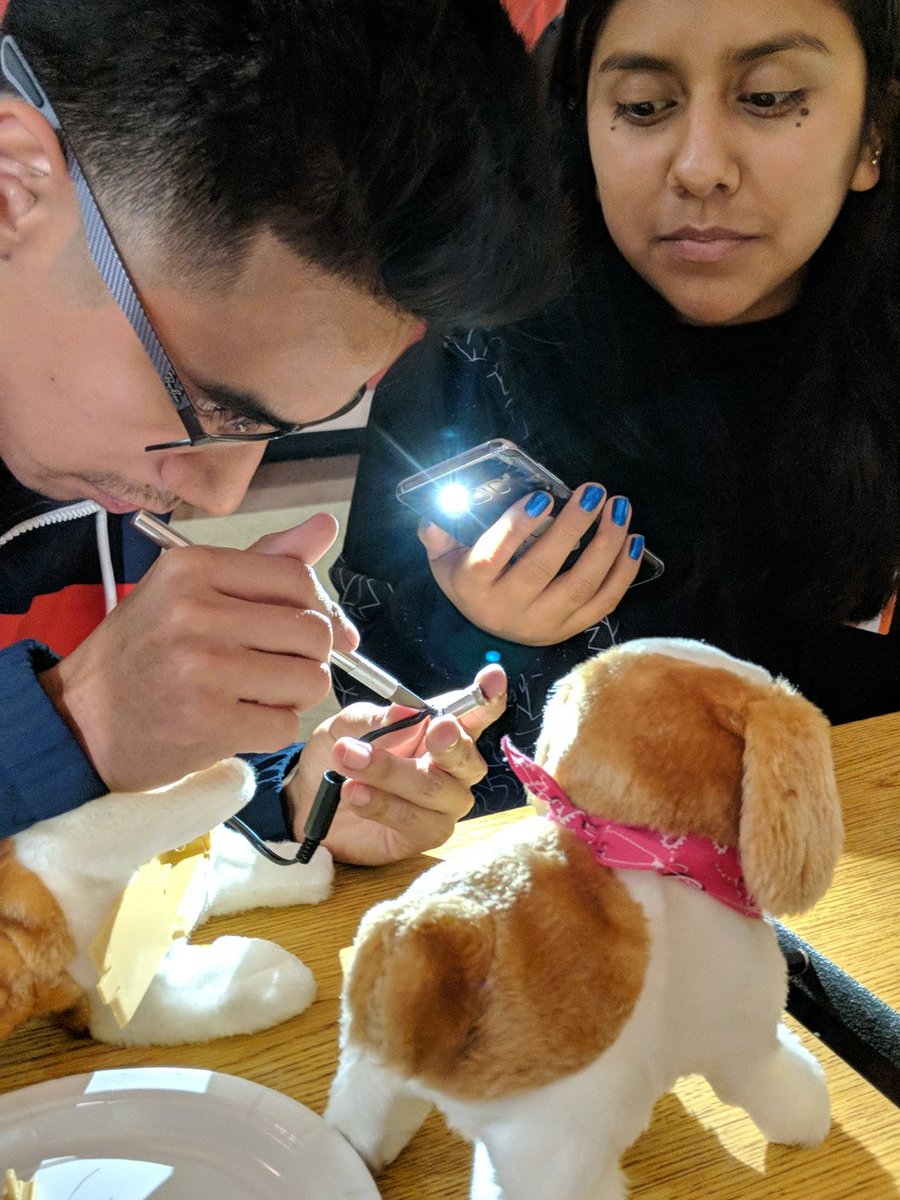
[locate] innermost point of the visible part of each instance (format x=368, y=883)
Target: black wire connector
x=324, y=806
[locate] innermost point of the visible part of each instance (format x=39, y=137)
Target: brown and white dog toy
x=546, y=989
x=62, y=879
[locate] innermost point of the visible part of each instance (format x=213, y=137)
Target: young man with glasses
x=216, y=222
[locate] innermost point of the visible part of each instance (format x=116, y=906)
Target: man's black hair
x=398, y=144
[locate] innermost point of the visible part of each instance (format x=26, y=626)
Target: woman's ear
x=31, y=158
x=868, y=168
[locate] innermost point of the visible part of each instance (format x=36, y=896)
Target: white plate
x=174, y=1135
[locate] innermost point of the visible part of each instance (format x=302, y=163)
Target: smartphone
x=466, y=494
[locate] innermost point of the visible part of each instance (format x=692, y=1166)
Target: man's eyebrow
x=242, y=404
x=776, y=45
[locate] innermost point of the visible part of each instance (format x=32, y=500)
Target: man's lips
x=710, y=244
x=120, y=505
x=114, y=504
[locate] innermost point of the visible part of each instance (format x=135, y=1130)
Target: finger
x=437, y=541
x=490, y=556
x=422, y=781
x=412, y=828
x=284, y=680
x=453, y=750
x=306, y=542
x=364, y=717
x=581, y=582
x=283, y=579
x=493, y=683
x=539, y=565
x=609, y=594
x=278, y=629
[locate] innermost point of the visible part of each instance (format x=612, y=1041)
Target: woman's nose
x=704, y=161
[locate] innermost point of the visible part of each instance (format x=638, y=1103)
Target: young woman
x=727, y=360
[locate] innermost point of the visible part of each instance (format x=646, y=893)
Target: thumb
x=308, y=541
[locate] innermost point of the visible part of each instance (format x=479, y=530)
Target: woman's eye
x=644, y=112
x=772, y=104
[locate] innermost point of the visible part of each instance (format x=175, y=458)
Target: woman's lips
x=705, y=245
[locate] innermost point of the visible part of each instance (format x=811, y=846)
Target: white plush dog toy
x=545, y=990
x=61, y=879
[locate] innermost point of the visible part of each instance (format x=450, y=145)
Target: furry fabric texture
x=544, y=1001
x=60, y=879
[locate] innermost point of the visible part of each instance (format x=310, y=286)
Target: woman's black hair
x=829, y=511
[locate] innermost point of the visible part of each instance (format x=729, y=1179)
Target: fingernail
x=537, y=504
x=620, y=510
x=636, y=549
x=355, y=756
x=453, y=741
x=359, y=795
x=590, y=501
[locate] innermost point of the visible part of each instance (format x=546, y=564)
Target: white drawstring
x=107, y=574
x=55, y=516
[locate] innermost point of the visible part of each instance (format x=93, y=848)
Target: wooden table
x=695, y=1147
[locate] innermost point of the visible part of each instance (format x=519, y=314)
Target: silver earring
x=876, y=158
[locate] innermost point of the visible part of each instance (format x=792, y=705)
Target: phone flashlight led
x=453, y=499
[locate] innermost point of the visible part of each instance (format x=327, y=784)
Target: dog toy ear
x=791, y=829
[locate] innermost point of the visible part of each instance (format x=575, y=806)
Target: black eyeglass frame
x=115, y=275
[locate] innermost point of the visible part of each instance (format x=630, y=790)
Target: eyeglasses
x=204, y=420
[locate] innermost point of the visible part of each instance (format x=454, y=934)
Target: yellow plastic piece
x=17, y=1189
x=156, y=907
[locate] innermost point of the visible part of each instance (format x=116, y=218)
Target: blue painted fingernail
x=620, y=510
x=537, y=504
x=636, y=549
x=590, y=501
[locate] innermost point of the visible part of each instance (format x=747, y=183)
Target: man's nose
x=213, y=478
x=704, y=160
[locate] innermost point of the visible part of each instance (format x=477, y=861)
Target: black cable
x=849, y=1019
x=324, y=806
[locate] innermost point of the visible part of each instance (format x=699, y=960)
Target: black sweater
x=701, y=499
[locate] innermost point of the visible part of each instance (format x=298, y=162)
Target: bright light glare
x=453, y=499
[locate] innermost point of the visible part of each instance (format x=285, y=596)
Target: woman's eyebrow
x=634, y=61
x=778, y=45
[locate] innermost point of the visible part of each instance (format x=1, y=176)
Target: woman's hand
x=404, y=792
x=531, y=601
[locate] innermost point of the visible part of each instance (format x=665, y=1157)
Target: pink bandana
x=696, y=861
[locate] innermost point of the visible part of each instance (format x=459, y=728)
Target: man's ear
x=31, y=163
x=868, y=168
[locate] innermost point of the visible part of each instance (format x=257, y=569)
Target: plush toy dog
x=546, y=989
x=61, y=879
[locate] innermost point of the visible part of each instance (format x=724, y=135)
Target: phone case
x=466, y=494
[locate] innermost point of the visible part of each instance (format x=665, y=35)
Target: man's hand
x=214, y=653
x=532, y=601
x=404, y=792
